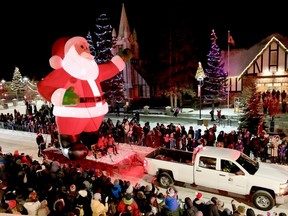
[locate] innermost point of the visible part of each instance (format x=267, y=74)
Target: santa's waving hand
x=73, y=87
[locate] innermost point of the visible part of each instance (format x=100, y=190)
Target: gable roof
x=241, y=59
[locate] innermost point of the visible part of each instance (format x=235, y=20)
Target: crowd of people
x=30, y=187
x=48, y=188
x=260, y=146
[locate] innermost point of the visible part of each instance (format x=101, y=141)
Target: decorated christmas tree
x=215, y=85
x=17, y=83
x=101, y=43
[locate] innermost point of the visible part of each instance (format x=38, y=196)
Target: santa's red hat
x=58, y=52
x=60, y=47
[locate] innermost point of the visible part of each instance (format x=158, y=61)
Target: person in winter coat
x=116, y=190
x=189, y=209
x=97, y=207
x=128, y=205
x=198, y=201
x=32, y=204
x=210, y=208
x=238, y=211
x=172, y=206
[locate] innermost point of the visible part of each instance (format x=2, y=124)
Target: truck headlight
x=283, y=189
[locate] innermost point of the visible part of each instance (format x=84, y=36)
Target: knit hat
x=199, y=195
x=58, y=204
x=12, y=203
x=73, y=187
x=148, y=187
x=97, y=196
x=10, y=195
x=87, y=184
x=83, y=193
x=129, y=189
x=171, y=191
x=241, y=209
x=16, y=153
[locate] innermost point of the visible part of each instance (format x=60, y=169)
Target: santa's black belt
x=91, y=99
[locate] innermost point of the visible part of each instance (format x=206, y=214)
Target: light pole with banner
x=200, y=75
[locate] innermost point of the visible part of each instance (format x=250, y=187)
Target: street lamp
x=200, y=75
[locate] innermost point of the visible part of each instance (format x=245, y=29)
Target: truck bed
x=171, y=155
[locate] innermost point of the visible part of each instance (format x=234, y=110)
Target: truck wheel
x=165, y=180
x=263, y=200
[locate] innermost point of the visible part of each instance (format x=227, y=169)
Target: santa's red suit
x=74, y=90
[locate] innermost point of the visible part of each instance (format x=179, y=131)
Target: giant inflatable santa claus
x=73, y=87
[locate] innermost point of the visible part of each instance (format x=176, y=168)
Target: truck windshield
x=248, y=164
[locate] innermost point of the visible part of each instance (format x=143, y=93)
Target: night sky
x=28, y=30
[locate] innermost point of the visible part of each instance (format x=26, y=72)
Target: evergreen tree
x=215, y=86
x=101, y=43
x=253, y=117
x=17, y=83
x=90, y=42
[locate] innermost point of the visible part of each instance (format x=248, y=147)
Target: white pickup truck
x=222, y=169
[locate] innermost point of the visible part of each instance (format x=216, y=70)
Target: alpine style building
x=266, y=61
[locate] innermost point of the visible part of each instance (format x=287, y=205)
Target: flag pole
x=228, y=94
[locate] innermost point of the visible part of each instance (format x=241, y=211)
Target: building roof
x=241, y=59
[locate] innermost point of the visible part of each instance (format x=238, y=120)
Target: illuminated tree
x=17, y=83
x=101, y=43
x=215, y=85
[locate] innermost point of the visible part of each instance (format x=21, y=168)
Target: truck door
x=205, y=172
x=231, y=177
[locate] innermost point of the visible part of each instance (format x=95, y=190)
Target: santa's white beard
x=80, y=67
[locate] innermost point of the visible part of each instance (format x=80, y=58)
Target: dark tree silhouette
x=253, y=118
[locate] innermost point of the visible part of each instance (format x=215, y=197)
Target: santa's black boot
x=72, y=147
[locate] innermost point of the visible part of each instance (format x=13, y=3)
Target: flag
x=230, y=39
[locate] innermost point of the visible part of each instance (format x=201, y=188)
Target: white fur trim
x=57, y=96
x=119, y=63
x=81, y=112
x=55, y=62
